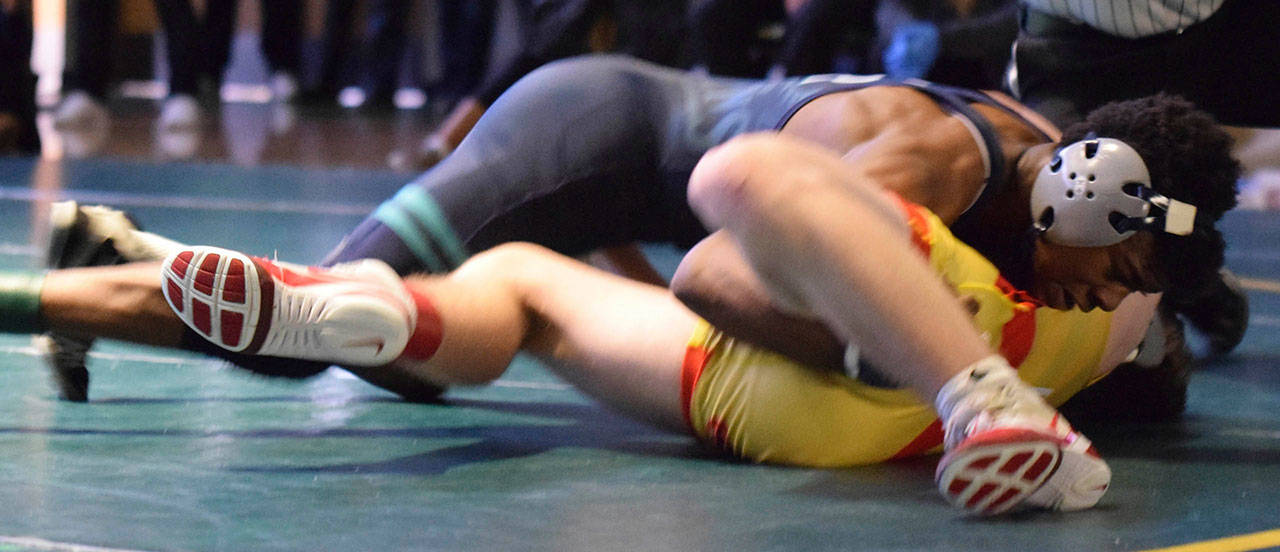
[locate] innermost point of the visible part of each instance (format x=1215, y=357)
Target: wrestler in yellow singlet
x=764, y=407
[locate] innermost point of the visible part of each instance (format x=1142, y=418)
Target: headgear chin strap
x=1097, y=192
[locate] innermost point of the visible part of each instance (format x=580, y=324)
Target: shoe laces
x=985, y=405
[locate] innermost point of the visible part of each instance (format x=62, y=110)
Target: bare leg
x=116, y=302
x=618, y=340
x=789, y=204
x=124, y=302
x=825, y=240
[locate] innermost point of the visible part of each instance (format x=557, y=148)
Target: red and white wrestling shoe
x=1011, y=450
x=356, y=314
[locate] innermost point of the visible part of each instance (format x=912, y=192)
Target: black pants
x=17, y=84
x=555, y=29
x=371, y=62
x=91, y=28
x=1228, y=65
x=466, y=31
x=195, y=46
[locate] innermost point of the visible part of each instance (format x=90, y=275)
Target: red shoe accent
x=181, y=263
x=204, y=277
x=971, y=465
x=995, y=504
x=1042, y=463
x=1014, y=463
x=200, y=316
x=982, y=493
x=267, y=300
x=232, y=323
x=175, y=295
x=291, y=277
x=427, y=334
x=233, y=283
x=983, y=462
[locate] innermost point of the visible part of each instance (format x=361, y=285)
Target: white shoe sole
x=239, y=304
x=998, y=470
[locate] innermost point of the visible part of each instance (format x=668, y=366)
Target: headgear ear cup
x=1097, y=192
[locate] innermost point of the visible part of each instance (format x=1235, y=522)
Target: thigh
x=617, y=340
x=564, y=146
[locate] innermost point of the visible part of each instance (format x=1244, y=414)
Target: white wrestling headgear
x=1097, y=192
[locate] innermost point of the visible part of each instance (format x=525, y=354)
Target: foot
x=1007, y=449
x=180, y=112
x=79, y=110
x=83, y=236
x=284, y=86
x=356, y=314
x=352, y=97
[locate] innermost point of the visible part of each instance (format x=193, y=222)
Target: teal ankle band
x=20, y=302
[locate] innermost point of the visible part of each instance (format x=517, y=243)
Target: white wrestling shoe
x=1007, y=449
x=356, y=314
x=80, y=236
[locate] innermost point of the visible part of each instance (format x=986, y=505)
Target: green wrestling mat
x=178, y=452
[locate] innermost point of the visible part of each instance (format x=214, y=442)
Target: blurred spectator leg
x=282, y=46
x=820, y=29
x=725, y=35
x=91, y=28
x=187, y=61
x=18, y=88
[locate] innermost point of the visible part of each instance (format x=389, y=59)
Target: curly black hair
x=1189, y=158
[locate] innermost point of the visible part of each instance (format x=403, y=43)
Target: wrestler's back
x=903, y=139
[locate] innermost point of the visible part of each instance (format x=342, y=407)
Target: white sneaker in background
x=352, y=97
x=409, y=98
x=79, y=110
x=284, y=87
x=180, y=112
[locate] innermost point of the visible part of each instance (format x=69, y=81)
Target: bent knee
x=728, y=179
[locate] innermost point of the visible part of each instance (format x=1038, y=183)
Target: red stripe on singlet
x=1019, y=333
x=919, y=224
x=927, y=439
x=931, y=436
x=695, y=359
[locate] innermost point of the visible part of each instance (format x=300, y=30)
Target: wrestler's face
x=1089, y=277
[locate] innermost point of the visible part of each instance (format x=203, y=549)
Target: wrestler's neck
x=1009, y=210
x=1000, y=230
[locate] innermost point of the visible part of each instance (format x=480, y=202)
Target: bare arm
x=715, y=281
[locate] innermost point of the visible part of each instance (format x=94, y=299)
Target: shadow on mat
x=588, y=426
x=1194, y=439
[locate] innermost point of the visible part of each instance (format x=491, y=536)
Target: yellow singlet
x=766, y=408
